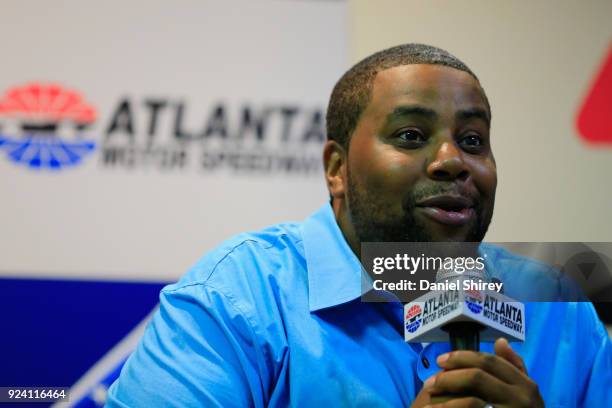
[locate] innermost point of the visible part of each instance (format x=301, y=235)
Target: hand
x=423, y=399
x=471, y=379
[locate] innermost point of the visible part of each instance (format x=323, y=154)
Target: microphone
x=468, y=310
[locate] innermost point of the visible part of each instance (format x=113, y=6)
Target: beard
x=373, y=221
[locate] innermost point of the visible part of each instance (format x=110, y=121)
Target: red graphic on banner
x=50, y=102
x=594, y=121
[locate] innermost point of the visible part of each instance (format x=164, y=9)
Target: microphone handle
x=464, y=335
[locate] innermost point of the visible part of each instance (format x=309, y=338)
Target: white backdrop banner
x=135, y=136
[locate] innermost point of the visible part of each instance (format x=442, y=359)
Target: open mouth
x=448, y=209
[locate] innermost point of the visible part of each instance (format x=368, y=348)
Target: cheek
x=485, y=176
x=386, y=172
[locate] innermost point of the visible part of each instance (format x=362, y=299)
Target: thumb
x=502, y=349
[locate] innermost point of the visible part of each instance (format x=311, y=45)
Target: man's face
x=420, y=165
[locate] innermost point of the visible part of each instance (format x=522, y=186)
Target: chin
x=452, y=236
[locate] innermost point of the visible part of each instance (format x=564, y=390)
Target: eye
x=410, y=137
x=472, y=141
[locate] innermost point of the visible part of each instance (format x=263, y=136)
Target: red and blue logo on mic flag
x=413, y=318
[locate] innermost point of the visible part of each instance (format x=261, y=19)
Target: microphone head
x=467, y=298
x=460, y=274
x=497, y=281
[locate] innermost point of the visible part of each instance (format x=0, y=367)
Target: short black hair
x=353, y=91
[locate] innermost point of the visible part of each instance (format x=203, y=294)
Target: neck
x=346, y=226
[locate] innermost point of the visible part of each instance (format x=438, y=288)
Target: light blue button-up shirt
x=274, y=318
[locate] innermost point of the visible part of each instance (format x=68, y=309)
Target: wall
x=536, y=61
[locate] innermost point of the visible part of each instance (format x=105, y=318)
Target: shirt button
x=425, y=362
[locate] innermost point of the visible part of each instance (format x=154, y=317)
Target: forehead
x=436, y=86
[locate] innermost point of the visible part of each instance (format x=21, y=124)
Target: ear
x=334, y=162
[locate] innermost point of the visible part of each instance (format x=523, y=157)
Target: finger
x=470, y=381
x=423, y=398
x=504, y=350
x=492, y=364
x=461, y=402
x=438, y=399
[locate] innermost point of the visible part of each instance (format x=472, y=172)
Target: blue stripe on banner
x=53, y=331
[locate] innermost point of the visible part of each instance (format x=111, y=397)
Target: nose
x=448, y=163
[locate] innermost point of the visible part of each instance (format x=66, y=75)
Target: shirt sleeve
x=199, y=350
x=598, y=387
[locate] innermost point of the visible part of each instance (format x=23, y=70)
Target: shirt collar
x=334, y=272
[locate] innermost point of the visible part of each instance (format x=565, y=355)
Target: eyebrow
x=418, y=110
x=411, y=110
x=474, y=113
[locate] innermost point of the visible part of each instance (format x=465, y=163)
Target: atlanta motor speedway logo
x=43, y=126
x=474, y=301
x=413, y=318
x=47, y=126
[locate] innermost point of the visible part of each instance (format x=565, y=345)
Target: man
x=274, y=318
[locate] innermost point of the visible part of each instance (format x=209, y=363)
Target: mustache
x=425, y=191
